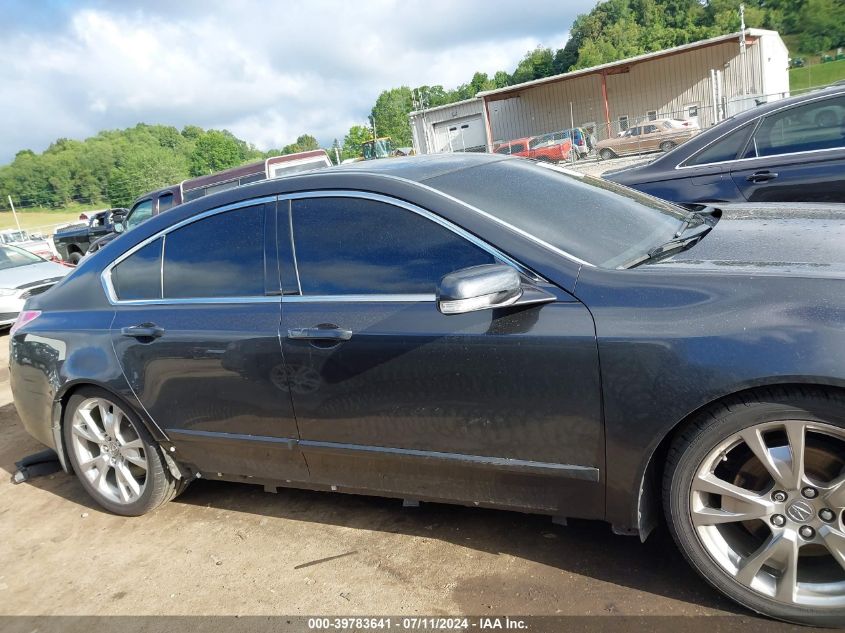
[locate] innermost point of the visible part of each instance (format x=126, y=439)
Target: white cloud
x=266, y=71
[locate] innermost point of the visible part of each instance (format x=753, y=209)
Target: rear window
x=139, y=276
x=593, y=219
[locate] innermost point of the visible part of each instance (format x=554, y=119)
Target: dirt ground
x=233, y=549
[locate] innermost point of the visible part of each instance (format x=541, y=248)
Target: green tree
x=303, y=143
x=535, y=65
x=390, y=113
x=214, y=151
x=353, y=140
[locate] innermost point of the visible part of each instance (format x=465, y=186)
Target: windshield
x=597, y=221
x=12, y=257
x=140, y=212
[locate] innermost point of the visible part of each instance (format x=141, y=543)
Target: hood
x=789, y=239
x=32, y=275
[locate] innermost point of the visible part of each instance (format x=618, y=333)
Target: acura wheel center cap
x=799, y=511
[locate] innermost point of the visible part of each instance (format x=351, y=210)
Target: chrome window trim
x=755, y=123
x=374, y=298
x=108, y=287
x=111, y=295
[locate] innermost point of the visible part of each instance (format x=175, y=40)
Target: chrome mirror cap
x=478, y=288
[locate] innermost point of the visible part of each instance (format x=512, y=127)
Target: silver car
x=23, y=274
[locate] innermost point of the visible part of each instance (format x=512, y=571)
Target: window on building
x=692, y=111
x=623, y=123
x=355, y=246
x=651, y=115
x=219, y=256
x=139, y=275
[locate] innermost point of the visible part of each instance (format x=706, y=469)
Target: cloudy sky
x=266, y=70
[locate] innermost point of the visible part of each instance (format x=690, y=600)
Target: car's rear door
x=491, y=407
x=196, y=331
x=796, y=154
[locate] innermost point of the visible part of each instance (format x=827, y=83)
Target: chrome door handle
x=762, y=176
x=145, y=330
x=319, y=334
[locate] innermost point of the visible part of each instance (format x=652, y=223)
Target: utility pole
x=14, y=213
x=742, y=47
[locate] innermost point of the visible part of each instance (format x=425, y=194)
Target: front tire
x=666, y=146
x=75, y=257
x=113, y=455
x=754, y=495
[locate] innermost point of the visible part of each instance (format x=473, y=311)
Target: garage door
x=460, y=135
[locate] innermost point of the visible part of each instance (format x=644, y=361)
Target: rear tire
x=74, y=257
x=607, y=154
x=113, y=455
x=733, y=494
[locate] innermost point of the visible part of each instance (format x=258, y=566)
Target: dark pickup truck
x=72, y=242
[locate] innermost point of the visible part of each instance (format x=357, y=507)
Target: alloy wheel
x=768, y=506
x=108, y=450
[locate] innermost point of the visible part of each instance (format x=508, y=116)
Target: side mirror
x=119, y=226
x=478, y=288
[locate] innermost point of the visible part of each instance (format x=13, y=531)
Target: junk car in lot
x=152, y=203
x=792, y=150
x=455, y=328
x=541, y=149
x=651, y=136
x=22, y=275
x=72, y=242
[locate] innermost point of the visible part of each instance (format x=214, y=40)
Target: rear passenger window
x=726, y=148
x=349, y=246
x=218, y=256
x=815, y=126
x=139, y=275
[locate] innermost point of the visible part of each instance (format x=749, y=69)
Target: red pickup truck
x=546, y=152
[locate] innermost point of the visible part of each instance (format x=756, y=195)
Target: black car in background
x=456, y=328
x=792, y=150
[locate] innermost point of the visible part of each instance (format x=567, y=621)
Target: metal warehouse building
x=704, y=81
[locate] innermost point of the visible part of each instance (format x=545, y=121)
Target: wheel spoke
x=781, y=551
x=108, y=419
x=124, y=475
x=835, y=494
x=94, y=461
x=797, y=436
x=90, y=425
x=834, y=541
x=102, y=471
x=716, y=516
x=133, y=444
x=86, y=433
x=778, y=471
x=710, y=483
x=134, y=458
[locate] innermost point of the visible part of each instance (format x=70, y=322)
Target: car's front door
x=796, y=155
x=490, y=407
x=196, y=332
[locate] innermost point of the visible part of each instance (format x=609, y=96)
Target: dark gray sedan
x=474, y=329
x=791, y=150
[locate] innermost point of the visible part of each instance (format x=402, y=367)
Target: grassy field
x=816, y=75
x=43, y=219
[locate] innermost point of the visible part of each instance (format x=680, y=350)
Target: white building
x=704, y=81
